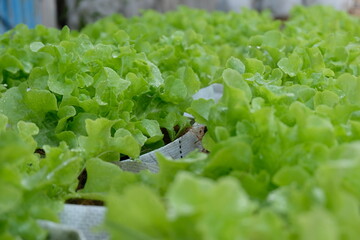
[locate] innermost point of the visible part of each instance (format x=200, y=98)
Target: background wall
x=84, y=11
x=81, y=12
x=30, y=12
x=77, y=13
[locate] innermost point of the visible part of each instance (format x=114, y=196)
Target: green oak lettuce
x=281, y=157
x=32, y=187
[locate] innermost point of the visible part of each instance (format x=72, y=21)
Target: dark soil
x=82, y=180
x=41, y=152
x=81, y=201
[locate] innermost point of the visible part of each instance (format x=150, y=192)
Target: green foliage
x=283, y=141
x=32, y=187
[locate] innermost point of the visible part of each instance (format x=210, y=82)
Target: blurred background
x=78, y=13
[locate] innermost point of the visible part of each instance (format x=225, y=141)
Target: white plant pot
x=280, y=8
x=58, y=231
x=85, y=219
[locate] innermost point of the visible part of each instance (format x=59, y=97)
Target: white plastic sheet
x=213, y=91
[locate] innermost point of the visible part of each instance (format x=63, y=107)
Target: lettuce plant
x=282, y=143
